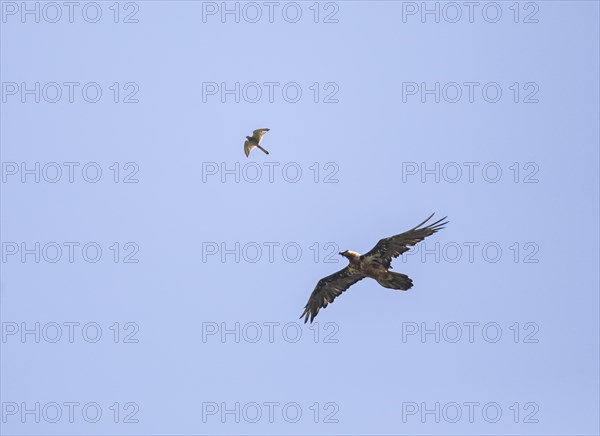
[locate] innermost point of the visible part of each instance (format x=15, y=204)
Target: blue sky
x=192, y=338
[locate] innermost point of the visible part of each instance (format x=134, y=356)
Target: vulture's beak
x=340, y=253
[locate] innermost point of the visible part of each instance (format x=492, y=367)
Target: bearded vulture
x=375, y=264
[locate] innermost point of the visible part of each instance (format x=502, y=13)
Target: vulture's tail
x=394, y=280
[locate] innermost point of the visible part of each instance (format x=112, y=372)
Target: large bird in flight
x=375, y=264
x=254, y=141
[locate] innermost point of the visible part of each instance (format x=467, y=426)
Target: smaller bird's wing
x=394, y=246
x=259, y=133
x=327, y=289
x=248, y=146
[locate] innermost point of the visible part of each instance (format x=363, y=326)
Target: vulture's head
x=349, y=254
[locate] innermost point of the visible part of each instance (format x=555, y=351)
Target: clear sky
x=172, y=269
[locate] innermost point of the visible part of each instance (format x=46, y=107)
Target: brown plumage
x=374, y=264
x=254, y=141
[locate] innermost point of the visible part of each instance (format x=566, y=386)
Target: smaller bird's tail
x=262, y=149
x=394, y=280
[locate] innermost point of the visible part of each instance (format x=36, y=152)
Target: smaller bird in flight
x=254, y=141
x=375, y=264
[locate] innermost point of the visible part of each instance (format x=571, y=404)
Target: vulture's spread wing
x=394, y=246
x=327, y=289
